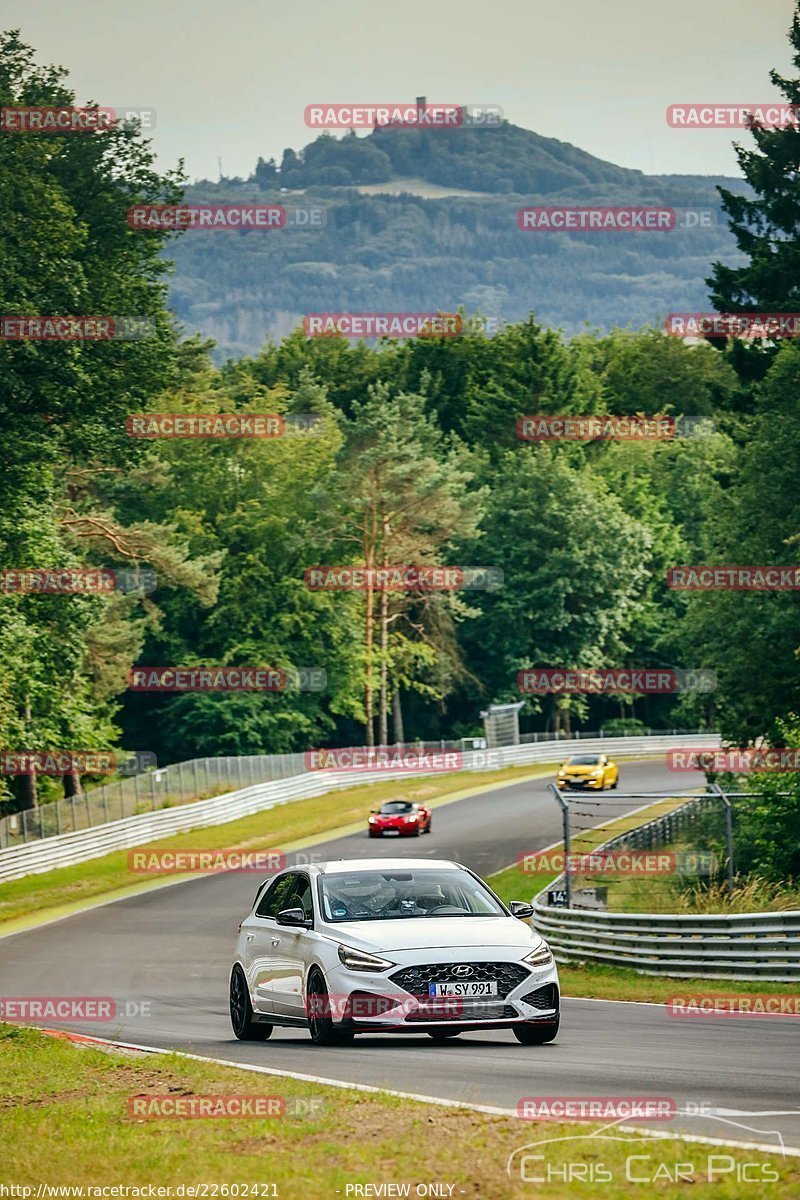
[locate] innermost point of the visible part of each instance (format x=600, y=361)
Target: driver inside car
x=417, y=903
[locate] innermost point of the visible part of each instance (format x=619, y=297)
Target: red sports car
x=400, y=817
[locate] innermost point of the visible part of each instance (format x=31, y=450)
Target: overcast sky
x=230, y=79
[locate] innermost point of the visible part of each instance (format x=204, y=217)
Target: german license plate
x=473, y=988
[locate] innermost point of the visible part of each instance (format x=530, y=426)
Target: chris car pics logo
x=619, y=1153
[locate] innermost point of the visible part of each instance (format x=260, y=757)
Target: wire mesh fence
x=179, y=783
x=198, y=779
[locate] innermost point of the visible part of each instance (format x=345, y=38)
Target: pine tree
x=767, y=225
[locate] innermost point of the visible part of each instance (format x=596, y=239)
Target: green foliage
x=766, y=224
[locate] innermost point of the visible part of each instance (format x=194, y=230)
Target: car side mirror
x=521, y=910
x=292, y=916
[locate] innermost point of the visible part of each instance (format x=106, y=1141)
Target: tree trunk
x=72, y=785
x=383, y=707
x=397, y=717
x=27, y=794
x=369, y=638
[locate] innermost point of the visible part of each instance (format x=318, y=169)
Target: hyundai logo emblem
x=462, y=971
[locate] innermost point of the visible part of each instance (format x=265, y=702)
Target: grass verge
x=514, y=883
x=67, y=1122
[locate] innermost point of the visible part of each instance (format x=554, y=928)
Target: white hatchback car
x=390, y=945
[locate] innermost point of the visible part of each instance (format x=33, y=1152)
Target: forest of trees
x=414, y=458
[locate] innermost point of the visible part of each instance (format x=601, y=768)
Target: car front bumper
x=398, y=830
x=376, y=1002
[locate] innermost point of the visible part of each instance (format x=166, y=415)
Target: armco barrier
x=746, y=946
x=69, y=848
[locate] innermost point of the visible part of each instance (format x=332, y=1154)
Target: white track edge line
x=439, y=1101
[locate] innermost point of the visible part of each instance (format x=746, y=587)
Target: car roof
x=349, y=865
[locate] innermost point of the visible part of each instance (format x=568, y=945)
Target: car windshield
x=394, y=807
x=584, y=760
x=392, y=895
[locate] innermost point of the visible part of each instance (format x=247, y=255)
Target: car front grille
x=507, y=975
x=461, y=1011
x=543, y=997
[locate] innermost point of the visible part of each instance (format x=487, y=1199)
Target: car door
x=262, y=939
x=294, y=947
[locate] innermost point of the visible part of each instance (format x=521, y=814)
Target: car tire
x=536, y=1033
x=371, y=834
x=320, y=1026
x=428, y=827
x=441, y=1035
x=241, y=1011
x=417, y=831
x=614, y=784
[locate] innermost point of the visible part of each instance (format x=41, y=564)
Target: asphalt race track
x=171, y=947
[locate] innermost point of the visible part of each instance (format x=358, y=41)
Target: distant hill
x=443, y=234
x=498, y=159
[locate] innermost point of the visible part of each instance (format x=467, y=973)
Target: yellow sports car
x=595, y=771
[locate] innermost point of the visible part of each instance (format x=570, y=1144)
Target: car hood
x=578, y=770
x=421, y=933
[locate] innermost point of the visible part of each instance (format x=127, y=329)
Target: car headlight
x=539, y=958
x=373, y=820
x=360, y=960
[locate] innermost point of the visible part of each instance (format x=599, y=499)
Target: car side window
x=277, y=895
x=301, y=896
